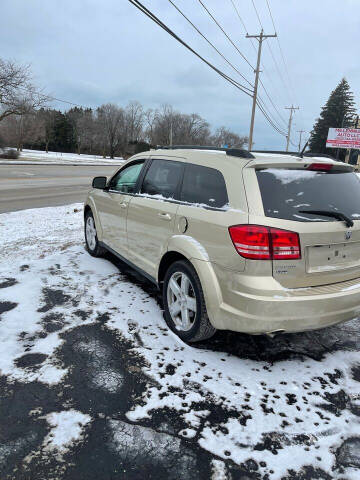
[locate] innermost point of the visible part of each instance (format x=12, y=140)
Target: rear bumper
x=287, y=314
x=242, y=306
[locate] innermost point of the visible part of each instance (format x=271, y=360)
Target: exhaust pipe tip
x=273, y=333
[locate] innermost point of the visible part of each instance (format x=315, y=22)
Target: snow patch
x=290, y=175
x=67, y=427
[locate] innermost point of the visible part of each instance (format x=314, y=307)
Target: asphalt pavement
x=33, y=186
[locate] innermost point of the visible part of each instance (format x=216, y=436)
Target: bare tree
x=164, y=122
x=20, y=129
x=223, y=136
x=46, y=119
x=111, y=120
x=149, y=121
x=83, y=123
x=134, y=118
x=185, y=129
x=18, y=96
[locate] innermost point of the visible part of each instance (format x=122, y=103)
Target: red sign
x=343, y=138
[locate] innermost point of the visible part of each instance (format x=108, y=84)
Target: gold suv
x=250, y=242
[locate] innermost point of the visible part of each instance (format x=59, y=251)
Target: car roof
x=214, y=157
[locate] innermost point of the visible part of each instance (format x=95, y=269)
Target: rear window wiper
x=329, y=213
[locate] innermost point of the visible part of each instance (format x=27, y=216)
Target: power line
x=271, y=52
x=282, y=54
x=252, y=44
x=279, y=71
x=230, y=40
x=260, y=104
x=278, y=41
x=156, y=20
x=257, y=14
x=241, y=20
x=227, y=36
x=208, y=41
x=241, y=87
x=49, y=97
x=213, y=46
x=272, y=103
x=272, y=19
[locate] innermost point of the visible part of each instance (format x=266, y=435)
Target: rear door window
x=163, y=179
x=204, y=186
x=286, y=193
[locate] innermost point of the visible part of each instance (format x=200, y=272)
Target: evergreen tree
x=63, y=138
x=338, y=112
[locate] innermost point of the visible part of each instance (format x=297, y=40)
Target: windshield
x=286, y=193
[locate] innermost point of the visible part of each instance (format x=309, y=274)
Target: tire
x=91, y=242
x=196, y=326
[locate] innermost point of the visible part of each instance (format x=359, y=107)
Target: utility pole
x=301, y=132
x=292, y=109
x=260, y=39
x=171, y=132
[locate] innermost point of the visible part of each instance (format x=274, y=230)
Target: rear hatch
x=321, y=202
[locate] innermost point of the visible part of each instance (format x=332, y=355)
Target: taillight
x=262, y=243
x=324, y=167
x=285, y=244
x=251, y=241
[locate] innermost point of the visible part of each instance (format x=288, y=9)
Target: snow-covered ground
x=39, y=156
x=90, y=374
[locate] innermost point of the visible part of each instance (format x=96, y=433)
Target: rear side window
x=287, y=193
x=204, y=186
x=163, y=178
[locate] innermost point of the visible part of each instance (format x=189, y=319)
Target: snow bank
x=59, y=158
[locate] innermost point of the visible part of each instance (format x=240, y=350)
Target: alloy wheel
x=90, y=233
x=181, y=301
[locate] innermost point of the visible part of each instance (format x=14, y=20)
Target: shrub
x=9, y=154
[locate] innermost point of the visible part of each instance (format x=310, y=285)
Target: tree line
x=26, y=121
x=111, y=130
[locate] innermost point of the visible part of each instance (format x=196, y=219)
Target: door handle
x=164, y=216
x=123, y=205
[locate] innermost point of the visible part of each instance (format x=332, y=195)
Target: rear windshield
x=287, y=193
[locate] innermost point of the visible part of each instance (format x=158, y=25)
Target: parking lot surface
x=93, y=385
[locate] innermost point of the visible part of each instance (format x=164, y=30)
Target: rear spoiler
x=319, y=164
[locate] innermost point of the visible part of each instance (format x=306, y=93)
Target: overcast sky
x=97, y=51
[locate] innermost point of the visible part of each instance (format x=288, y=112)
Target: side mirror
x=99, y=182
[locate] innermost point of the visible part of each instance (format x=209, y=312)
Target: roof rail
x=281, y=152
x=234, y=152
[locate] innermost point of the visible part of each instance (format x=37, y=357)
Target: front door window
x=125, y=180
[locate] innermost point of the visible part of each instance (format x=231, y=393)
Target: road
x=32, y=186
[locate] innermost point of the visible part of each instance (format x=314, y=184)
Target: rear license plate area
x=326, y=258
